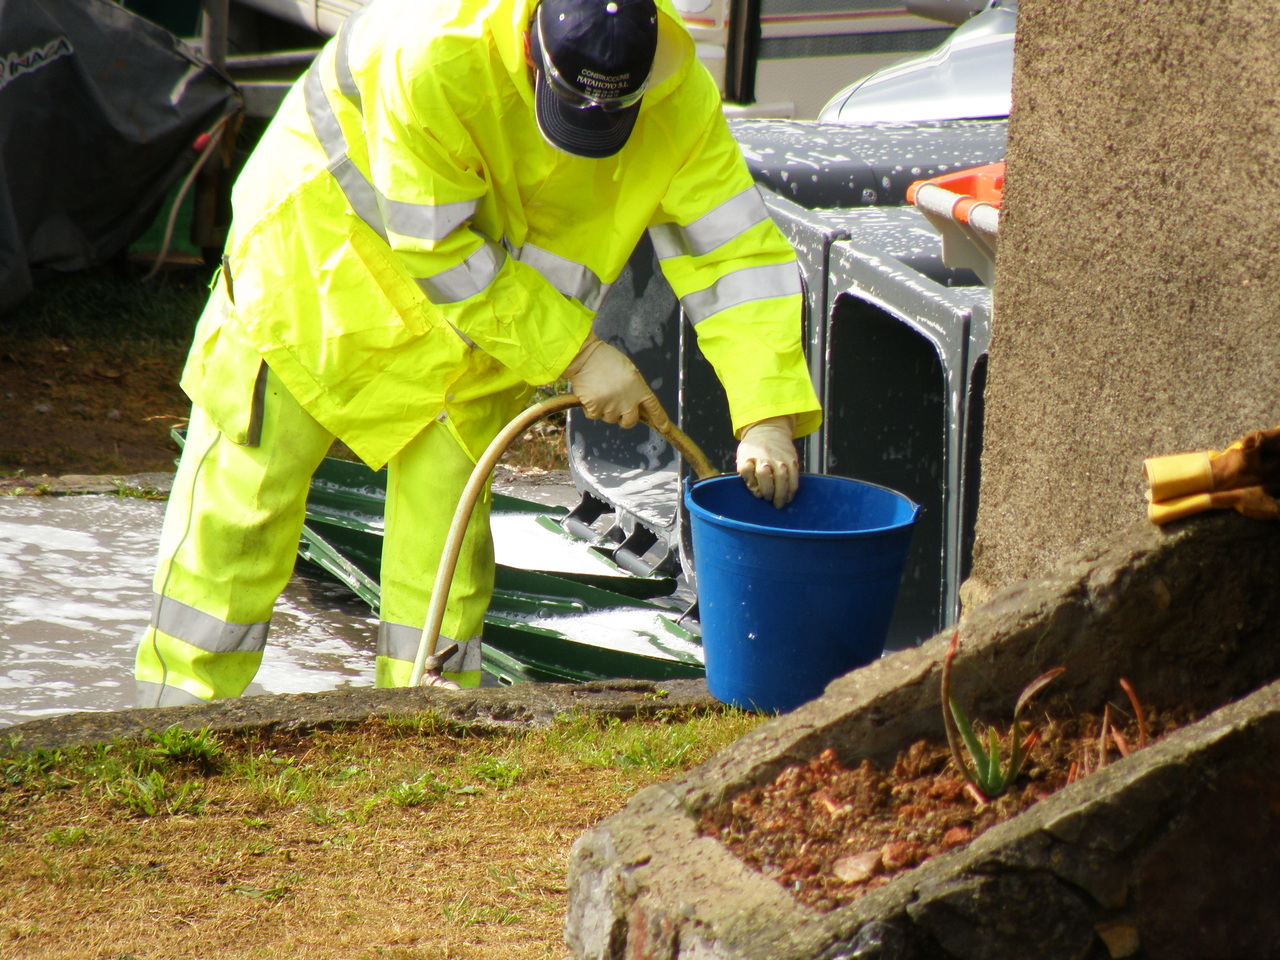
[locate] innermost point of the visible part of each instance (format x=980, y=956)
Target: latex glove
x=767, y=460
x=611, y=388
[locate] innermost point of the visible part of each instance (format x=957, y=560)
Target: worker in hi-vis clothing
x=421, y=237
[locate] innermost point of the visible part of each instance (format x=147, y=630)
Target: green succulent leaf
x=1017, y=757
x=996, y=780
x=981, y=765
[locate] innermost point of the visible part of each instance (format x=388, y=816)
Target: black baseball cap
x=593, y=59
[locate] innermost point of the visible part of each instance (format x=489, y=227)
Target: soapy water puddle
x=75, y=578
x=75, y=583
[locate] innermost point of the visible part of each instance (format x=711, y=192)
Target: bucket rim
x=702, y=513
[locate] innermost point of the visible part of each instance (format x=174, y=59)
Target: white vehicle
x=968, y=77
x=782, y=58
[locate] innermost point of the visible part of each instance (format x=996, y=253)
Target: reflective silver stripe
x=323, y=121
x=726, y=222
x=204, y=630
x=571, y=278
x=355, y=185
x=399, y=642
x=425, y=221
x=148, y=694
x=668, y=241
x=742, y=286
x=422, y=221
x=342, y=63
x=360, y=194
x=468, y=278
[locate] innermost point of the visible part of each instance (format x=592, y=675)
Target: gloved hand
x=767, y=460
x=611, y=388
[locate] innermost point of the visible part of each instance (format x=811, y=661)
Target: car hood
x=967, y=77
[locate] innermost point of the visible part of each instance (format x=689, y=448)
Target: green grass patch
x=408, y=838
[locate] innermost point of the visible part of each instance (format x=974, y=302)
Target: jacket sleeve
x=429, y=186
x=737, y=279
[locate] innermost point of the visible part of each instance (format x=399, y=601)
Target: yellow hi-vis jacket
x=403, y=207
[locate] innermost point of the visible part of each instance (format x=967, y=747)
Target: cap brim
x=592, y=133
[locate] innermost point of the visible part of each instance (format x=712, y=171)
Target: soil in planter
x=830, y=834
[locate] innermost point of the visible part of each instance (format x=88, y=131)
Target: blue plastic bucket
x=790, y=599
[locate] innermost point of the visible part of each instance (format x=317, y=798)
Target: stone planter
x=1172, y=853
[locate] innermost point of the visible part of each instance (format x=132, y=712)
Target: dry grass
x=541, y=447
x=401, y=839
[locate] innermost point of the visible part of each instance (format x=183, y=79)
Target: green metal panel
x=347, y=504
x=540, y=626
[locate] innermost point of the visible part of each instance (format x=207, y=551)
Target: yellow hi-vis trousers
x=234, y=518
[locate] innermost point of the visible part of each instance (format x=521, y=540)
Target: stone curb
x=523, y=705
x=75, y=483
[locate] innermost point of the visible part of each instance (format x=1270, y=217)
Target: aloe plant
x=987, y=773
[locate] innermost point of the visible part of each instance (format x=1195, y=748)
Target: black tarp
x=99, y=113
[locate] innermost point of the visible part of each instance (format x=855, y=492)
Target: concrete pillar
x=1137, y=295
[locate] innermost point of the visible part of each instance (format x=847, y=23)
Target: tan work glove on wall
x=1244, y=477
x=767, y=460
x=611, y=388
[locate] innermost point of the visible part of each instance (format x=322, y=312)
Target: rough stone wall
x=1137, y=291
x=1169, y=854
